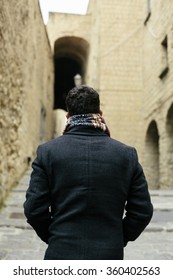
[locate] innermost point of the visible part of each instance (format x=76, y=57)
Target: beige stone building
x=105, y=48
x=158, y=93
x=124, y=49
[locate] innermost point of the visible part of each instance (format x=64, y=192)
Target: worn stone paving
x=19, y=242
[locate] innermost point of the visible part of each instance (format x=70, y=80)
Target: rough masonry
x=26, y=88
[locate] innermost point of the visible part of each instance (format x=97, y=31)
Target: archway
x=169, y=141
x=70, y=58
x=152, y=156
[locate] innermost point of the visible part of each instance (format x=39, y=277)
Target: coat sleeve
x=138, y=209
x=37, y=203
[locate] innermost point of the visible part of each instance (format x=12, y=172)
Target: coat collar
x=84, y=130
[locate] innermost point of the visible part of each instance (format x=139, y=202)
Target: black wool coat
x=87, y=197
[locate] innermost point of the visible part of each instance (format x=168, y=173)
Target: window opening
x=164, y=58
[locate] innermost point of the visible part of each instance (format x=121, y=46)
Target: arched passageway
x=70, y=58
x=152, y=156
x=169, y=141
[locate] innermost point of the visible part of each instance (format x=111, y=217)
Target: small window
x=164, y=58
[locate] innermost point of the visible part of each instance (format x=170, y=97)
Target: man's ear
x=67, y=115
x=101, y=113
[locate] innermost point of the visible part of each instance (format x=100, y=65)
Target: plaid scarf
x=92, y=120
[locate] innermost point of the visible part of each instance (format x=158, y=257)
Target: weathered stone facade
x=158, y=94
x=125, y=52
x=26, y=88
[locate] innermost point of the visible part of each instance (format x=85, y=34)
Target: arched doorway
x=70, y=58
x=169, y=141
x=152, y=156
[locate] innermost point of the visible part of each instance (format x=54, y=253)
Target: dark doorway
x=169, y=141
x=65, y=70
x=70, y=58
x=152, y=155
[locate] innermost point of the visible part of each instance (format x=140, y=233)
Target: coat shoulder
x=121, y=145
x=51, y=142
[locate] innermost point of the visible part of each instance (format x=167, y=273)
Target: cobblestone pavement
x=19, y=242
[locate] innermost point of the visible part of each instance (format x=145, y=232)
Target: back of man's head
x=82, y=100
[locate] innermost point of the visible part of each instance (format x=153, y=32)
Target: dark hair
x=82, y=100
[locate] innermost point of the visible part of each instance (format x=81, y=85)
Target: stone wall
x=158, y=94
x=26, y=88
x=120, y=73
